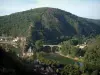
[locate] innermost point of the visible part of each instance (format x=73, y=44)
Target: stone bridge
x=51, y=46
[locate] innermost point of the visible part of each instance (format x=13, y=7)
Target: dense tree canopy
x=39, y=44
x=69, y=49
x=92, y=56
x=49, y=24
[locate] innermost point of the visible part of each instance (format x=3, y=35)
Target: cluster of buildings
x=21, y=41
x=81, y=46
x=3, y=38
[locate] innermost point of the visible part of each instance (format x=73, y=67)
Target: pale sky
x=82, y=8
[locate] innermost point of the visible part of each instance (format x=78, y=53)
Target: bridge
x=51, y=46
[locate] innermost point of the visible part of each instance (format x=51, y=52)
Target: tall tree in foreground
x=92, y=56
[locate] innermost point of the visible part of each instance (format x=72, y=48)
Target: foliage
x=74, y=41
x=68, y=49
x=65, y=48
x=39, y=44
x=46, y=61
x=92, y=56
x=48, y=24
x=70, y=70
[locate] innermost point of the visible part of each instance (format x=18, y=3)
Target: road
x=8, y=42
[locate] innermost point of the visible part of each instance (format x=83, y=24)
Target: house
x=81, y=46
x=15, y=39
x=29, y=52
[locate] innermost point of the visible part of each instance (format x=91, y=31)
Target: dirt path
x=67, y=56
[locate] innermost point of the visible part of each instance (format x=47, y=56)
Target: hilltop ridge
x=48, y=24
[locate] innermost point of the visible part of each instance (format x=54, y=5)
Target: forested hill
x=47, y=23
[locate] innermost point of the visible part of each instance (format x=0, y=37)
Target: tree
x=68, y=49
x=65, y=49
x=39, y=44
x=74, y=51
x=74, y=41
x=70, y=70
x=92, y=56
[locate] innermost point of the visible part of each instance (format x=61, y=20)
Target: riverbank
x=67, y=56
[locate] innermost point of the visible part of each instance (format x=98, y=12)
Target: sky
x=82, y=8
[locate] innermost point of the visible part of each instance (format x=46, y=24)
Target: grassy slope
x=61, y=59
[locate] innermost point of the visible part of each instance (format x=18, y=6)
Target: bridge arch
x=53, y=46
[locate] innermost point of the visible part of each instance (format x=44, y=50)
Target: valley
x=49, y=41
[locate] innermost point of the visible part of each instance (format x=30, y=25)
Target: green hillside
x=48, y=24
x=60, y=59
